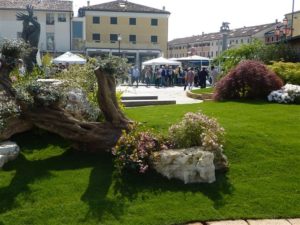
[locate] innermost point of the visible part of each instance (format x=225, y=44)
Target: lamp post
x=119, y=41
x=292, y=24
x=283, y=31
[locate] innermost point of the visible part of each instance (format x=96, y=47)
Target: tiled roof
x=122, y=6
x=239, y=32
x=41, y=5
x=249, y=31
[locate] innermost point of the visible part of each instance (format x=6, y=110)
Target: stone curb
x=204, y=96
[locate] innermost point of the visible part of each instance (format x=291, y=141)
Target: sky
x=192, y=17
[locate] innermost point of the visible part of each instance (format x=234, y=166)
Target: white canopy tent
x=193, y=58
x=70, y=58
x=194, y=61
x=161, y=61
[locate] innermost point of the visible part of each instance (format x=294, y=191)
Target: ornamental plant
x=249, y=80
x=134, y=149
x=288, y=72
x=197, y=129
x=287, y=94
x=8, y=109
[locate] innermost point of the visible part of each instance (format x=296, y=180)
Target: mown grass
x=203, y=90
x=52, y=184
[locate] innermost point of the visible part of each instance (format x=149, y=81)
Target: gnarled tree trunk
x=87, y=136
x=5, y=81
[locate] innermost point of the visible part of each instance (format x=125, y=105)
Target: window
x=132, y=39
x=96, y=37
x=113, y=20
x=96, y=19
x=242, y=41
x=154, y=22
x=50, y=41
x=77, y=30
x=132, y=21
x=154, y=39
x=236, y=41
x=49, y=19
x=62, y=17
x=113, y=38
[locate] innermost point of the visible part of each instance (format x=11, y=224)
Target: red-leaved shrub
x=249, y=79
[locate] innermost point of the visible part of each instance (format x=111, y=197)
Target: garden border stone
x=8, y=151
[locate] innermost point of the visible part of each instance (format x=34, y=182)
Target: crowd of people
x=168, y=76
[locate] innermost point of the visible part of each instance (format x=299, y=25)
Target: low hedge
x=287, y=71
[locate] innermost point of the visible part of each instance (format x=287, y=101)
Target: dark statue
x=31, y=35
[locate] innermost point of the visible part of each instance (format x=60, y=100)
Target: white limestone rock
x=8, y=151
x=3, y=160
x=192, y=165
x=77, y=104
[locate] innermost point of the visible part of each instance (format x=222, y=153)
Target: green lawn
x=51, y=184
x=203, y=90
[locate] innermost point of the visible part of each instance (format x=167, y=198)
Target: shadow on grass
x=27, y=172
x=102, y=179
x=96, y=194
x=130, y=185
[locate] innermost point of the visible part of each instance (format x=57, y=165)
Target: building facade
x=54, y=17
x=126, y=29
x=212, y=44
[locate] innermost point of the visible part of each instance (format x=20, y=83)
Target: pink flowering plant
x=134, y=150
x=197, y=129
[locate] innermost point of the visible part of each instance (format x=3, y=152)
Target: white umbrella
x=160, y=61
x=193, y=58
x=70, y=58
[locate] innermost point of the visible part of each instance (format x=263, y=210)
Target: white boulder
x=192, y=165
x=8, y=151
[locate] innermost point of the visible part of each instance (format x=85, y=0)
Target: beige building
x=54, y=17
x=123, y=28
x=294, y=23
x=212, y=44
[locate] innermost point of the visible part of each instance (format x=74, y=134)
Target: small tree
x=250, y=79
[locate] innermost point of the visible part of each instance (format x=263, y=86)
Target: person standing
x=202, y=77
x=135, y=76
x=147, y=76
x=213, y=75
x=190, y=76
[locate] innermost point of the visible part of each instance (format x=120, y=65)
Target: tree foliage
x=287, y=71
x=256, y=50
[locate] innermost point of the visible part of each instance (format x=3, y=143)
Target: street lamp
x=283, y=31
x=119, y=41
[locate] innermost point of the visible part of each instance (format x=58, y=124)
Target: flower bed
x=192, y=151
x=287, y=94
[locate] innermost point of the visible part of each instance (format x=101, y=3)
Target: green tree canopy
x=256, y=50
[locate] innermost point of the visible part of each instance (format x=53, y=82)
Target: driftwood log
x=86, y=136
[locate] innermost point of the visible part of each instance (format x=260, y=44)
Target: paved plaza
x=163, y=93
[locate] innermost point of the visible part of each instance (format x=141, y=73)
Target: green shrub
x=197, y=129
x=250, y=79
x=288, y=72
